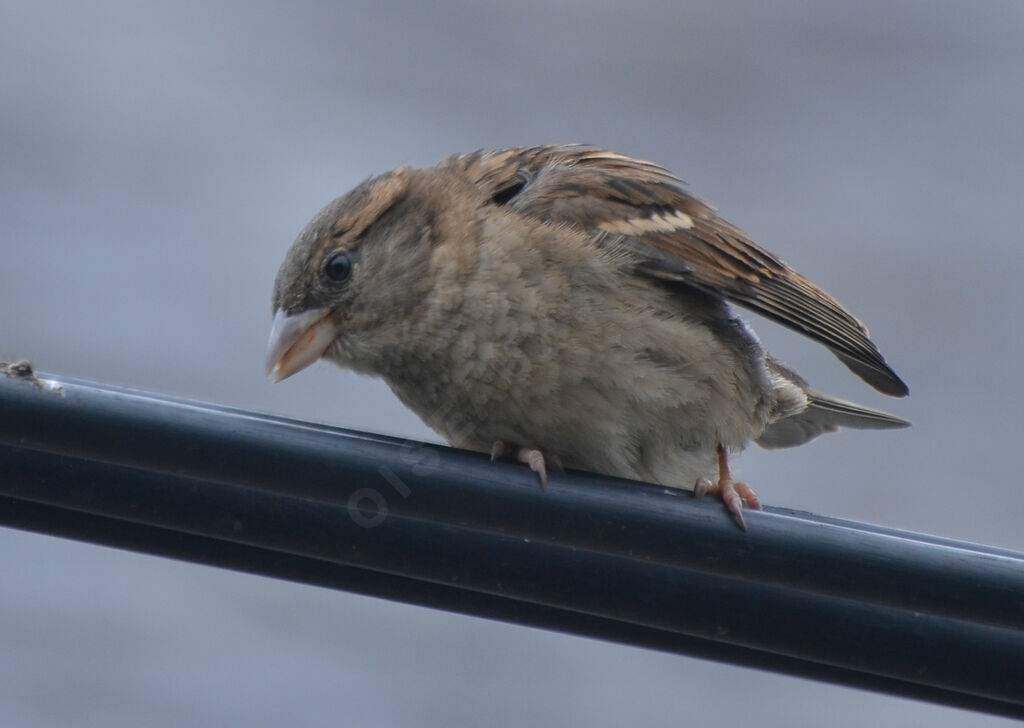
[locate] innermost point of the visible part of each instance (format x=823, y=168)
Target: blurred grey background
x=156, y=160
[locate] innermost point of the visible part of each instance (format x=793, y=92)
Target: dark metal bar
x=89, y=528
x=591, y=555
x=416, y=480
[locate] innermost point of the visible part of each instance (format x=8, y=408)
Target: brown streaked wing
x=680, y=238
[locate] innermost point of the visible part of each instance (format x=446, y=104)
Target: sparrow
x=567, y=307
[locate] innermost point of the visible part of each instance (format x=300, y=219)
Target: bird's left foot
x=730, y=491
x=538, y=460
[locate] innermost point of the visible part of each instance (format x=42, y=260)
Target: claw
x=538, y=460
x=535, y=459
x=731, y=492
x=748, y=495
x=498, y=450
x=732, y=500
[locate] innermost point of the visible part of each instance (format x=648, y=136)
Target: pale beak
x=298, y=340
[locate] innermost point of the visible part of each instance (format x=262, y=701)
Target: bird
x=566, y=306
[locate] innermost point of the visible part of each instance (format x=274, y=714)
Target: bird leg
x=538, y=460
x=730, y=491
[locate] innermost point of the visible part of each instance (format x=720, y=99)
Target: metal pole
x=844, y=602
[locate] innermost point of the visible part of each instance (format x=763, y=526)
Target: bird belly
x=618, y=404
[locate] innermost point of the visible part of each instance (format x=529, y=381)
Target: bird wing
x=676, y=236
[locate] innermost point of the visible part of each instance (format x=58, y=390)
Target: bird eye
x=338, y=267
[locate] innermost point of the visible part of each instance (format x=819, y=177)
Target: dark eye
x=338, y=267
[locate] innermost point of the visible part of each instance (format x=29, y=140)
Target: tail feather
x=847, y=414
x=825, y=414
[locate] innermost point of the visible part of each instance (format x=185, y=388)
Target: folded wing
x=675, y=237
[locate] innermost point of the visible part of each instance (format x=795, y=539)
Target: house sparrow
x=566, y=305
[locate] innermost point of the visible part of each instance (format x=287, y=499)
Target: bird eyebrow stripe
x=386, y=192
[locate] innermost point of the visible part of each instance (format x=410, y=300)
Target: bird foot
x=538, y=460
x=730, y=491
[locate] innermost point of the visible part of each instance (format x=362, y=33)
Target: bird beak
x=298, y=340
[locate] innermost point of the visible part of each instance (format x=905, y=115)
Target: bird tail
x=825, y=413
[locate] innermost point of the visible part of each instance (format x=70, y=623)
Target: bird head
x=356, y=274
